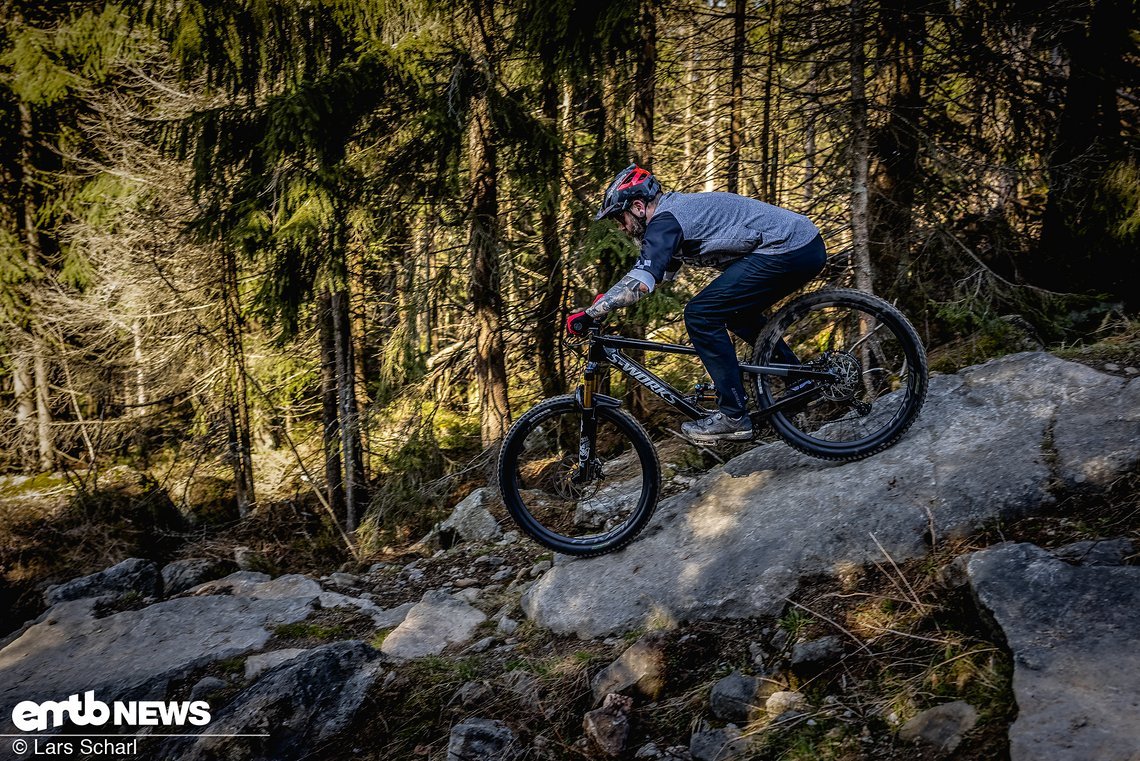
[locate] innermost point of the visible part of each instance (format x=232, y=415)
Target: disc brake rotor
x=848, y=377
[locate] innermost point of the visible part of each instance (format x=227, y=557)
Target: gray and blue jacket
x=713, y=230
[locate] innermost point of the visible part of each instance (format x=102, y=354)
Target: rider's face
x=633, y=221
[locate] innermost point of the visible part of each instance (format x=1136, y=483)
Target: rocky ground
x=983, y=611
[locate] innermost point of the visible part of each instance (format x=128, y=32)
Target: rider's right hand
x=578, y=323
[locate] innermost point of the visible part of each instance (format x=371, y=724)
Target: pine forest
x=283, y=273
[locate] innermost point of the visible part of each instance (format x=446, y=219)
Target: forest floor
x=913, y=640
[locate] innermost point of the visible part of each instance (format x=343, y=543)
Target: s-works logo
x=30, y=716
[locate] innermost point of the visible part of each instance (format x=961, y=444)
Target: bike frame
x=605, y=350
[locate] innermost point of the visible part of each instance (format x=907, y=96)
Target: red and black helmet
x=630, y=183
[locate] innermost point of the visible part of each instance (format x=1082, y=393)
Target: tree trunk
x=860, y=147
x=330, y=419
x=140, y=369
x=892, y=193
x=46, y=446
x=1081, y=250
x=692, y=104
x=355, y=499
x=40, y=375
x=766, y=174
x=645, y=82
x=238, y=392
x=710, y=139
x=24, y=389
x=736, y=127
x=483, y=240
x=811, y=114
x=546, y=325
x=356, y=305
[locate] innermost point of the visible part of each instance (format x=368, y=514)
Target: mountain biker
x=764, y=253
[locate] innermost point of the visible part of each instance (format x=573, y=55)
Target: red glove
x=580, y=322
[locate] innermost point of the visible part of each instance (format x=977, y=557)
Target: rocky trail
x=970, y=593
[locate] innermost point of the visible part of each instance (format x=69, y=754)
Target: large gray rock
x=942, y=726
x=134, y=654
x=735, y=697
x=433, y=624
x=290, y=711
x=608, y=726
x=133, y=576
x=989, y=443
x=640, y=667
x=471, y=521
x=1072, y=631
x=181, y=575
x=478, y=739
x=1096, y=551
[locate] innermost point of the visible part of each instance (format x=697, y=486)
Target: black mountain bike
x=837, y=374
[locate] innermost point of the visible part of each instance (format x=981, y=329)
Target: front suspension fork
x=587, y=436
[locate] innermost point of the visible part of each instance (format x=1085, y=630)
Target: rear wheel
x=564, y=507
x=878, y=364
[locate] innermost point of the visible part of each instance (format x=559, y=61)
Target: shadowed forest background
x=266, y=264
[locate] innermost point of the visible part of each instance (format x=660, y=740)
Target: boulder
x=133, y=576
x=482, y=739
x=990, y=443
x=181, y=575
x=941, y=727
x=433, y=624
x=641, y=667
x=810, y=658
x=779, y=703
x=289, y=712
x=256, y=664
x=725, y=744
x=734, y=698
x=135, y=654
x=471, y=521
x=1096, y=551
x=1072, y=632
x=608, y=726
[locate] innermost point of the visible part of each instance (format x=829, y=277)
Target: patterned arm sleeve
x=626, y=293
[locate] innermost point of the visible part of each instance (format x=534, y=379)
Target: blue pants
x=738, y=301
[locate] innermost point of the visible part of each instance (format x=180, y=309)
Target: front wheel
x=877, y=364
x=564, y=507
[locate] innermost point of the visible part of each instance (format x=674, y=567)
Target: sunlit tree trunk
x=355, y=499
x=711, y=138
x=140, y=367
x=483, y=242
x=330, y=418
x=24, y=389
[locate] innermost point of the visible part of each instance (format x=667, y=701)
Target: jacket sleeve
x=662, y=239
